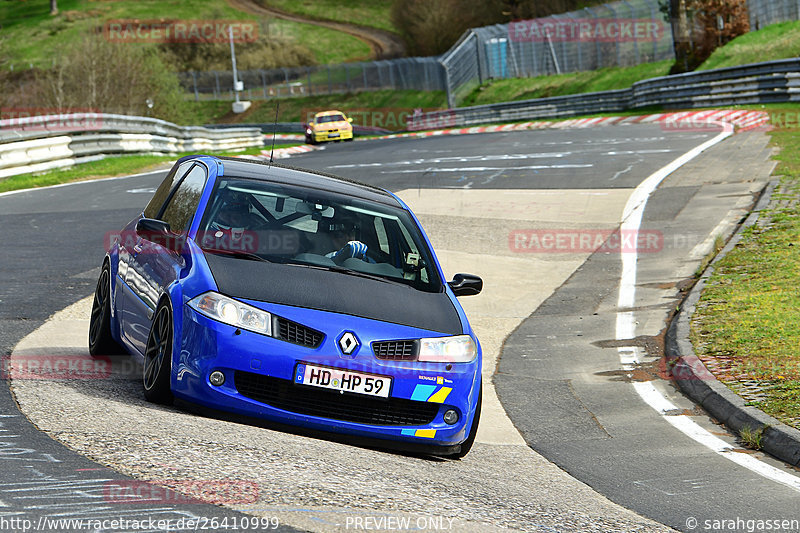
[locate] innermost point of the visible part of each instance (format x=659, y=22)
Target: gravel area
x=311, y=483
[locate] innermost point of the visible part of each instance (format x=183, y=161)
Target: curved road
x=567, y=396
x=384, y=44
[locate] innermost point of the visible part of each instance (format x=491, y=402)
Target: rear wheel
x=101, y=342
x=157, y=358
x=466, y=446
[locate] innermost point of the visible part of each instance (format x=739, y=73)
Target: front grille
x=284, y=394
x=395, y=350
x=298, y=334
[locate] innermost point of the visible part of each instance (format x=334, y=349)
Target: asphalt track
x=567, y=401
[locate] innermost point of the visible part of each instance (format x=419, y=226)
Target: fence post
x=194, y=82
x=635, y=42
x=655, y=42
x=264, y=83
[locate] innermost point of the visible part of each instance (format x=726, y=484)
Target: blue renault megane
x=296, y=297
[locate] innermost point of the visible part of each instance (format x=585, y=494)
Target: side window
x=162, y=193
x=183, y=204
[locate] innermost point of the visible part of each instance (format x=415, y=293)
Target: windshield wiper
x=358, y=273
x=236, y=253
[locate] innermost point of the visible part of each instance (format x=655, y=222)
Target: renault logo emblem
x=348, y=342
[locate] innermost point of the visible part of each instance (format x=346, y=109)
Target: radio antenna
x=274, y=129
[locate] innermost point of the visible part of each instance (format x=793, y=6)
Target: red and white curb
x=741, y=119
x=282, y=153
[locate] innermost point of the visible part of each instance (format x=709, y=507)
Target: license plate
x=333, y=135
x=343, y=380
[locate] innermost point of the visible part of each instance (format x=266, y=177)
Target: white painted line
x=626, y=328
x=484, y=169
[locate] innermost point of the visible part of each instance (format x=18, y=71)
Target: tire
x=158, y=358
x=466, y=446
x=101, y=342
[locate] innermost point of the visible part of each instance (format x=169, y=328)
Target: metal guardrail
x=758, y=83
x=268, y=128
x=34, y=144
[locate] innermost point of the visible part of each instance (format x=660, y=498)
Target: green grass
x=778, y=41
x=562, y=84
x=329, y=46
x=31, y=36
x=372, y=13
x=749, y=312
x=104, y=168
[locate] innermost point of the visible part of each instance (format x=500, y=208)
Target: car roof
x=298, y=177
x=326, y=113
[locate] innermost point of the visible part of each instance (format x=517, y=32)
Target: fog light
x=450, y=417
x=217, y=378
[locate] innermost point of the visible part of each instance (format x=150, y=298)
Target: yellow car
x=329, y=126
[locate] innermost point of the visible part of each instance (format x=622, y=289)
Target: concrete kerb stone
x=697, y=382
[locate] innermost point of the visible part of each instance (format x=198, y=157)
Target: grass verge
x=31, y=35
x=605, y=79
x=104, y=168
x=777, y=41
x=371, y=13
x=748, y=318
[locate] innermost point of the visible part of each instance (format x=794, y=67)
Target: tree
x=700, y=26
x=110, y=77
x=54, y=7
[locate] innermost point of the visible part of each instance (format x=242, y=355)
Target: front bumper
x=340, y=135
x=260, y=376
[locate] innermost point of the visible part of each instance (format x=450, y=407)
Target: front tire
x=158, y=358
x=101, y=341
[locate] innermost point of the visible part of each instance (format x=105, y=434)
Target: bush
x=111, y=78
x=431, y=27
x=268, y=51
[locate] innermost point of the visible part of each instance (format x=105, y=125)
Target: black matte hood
x=313, y=288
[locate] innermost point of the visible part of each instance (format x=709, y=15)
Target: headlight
x=460, y=349
x=232, y=312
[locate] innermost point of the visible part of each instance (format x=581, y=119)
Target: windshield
x=330, y=118
x=252, y=219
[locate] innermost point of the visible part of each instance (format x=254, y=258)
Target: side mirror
x=466, y=285
x=349, y=120
x=152, y=229
x=159, y=232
